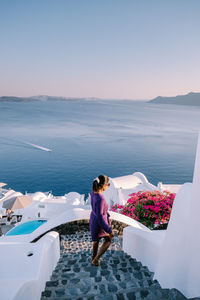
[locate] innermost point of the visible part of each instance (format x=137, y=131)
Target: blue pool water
x=26, y=228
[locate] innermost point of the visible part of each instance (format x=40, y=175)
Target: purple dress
x=99, y=217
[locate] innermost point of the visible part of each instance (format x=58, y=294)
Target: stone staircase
x=118, y=277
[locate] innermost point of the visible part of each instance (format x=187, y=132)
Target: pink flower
x=156, y=211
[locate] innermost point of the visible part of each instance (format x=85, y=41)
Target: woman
x=99, y=218
x=9, y=214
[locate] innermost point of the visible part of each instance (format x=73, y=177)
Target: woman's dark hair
x=99, y=182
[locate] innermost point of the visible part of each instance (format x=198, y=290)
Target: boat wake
x=37, y=146
x=18, y=143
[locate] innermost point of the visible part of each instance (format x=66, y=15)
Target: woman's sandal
x=101, y=259
x=95, y=263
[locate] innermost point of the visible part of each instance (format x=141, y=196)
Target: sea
x=89, y=137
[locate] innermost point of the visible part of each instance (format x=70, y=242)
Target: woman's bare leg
x=102, y=250
x=95, y=246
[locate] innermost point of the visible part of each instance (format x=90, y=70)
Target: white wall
x=23, y=277
x=179, y=260
x=193, y=242
x=144, y=245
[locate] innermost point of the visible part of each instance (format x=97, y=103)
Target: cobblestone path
x=118, y=277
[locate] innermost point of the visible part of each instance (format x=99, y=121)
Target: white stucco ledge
x=69, y=215
x=144, y=245
x=127, y=220
x=23, y=277
x=139, y=241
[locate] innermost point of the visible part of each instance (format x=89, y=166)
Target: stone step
x=118, y=277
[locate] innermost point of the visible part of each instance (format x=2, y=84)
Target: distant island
x=14, y=99
x=192, y=99
x=45, y=98
x=40, y=98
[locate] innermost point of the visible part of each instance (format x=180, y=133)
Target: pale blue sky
x=105, y=48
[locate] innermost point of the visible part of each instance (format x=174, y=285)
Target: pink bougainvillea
x=151, y=208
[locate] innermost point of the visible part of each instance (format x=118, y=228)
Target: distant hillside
x=40, y=98
x=192, y=99
x=17, y=99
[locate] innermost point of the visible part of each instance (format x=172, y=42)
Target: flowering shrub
x=151, y=208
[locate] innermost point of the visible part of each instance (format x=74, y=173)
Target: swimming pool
x=26, y=228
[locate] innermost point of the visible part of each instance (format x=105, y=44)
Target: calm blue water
x=88, y=138
x=26, y=228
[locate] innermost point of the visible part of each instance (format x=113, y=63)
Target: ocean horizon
x=88, y=138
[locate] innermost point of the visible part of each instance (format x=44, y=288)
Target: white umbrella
x=17, y=202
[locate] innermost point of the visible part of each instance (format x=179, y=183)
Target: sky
x=114, y=49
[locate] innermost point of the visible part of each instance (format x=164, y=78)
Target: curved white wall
x=71, y=214
x=23, y=277
x=179, y=261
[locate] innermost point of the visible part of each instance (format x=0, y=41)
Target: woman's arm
x=99, y=213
